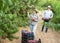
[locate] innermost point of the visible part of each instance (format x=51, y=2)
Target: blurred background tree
x=13, y=15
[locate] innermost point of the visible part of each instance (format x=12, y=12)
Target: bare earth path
x=49, y=37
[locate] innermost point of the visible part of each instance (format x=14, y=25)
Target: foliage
x=56, y=10
x=12, y=15
x=8, y=25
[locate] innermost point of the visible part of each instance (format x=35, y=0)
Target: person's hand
x=33, y=19
x=28, y=12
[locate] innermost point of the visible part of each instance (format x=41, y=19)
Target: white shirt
x=47, y=14
x=36, y=19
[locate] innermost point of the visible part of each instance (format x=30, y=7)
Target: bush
x=8, y=25
x=12, y=15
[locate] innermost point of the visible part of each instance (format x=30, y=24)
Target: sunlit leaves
x=8, y=25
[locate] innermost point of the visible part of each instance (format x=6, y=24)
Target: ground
x=50, y=37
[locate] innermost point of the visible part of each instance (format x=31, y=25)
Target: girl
x=33, y=21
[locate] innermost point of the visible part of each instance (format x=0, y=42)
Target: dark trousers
x=46, y=22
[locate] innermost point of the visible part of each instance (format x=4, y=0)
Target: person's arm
x=39, y=16
x=43, y=15
x=51, y=16
x=28, y=14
